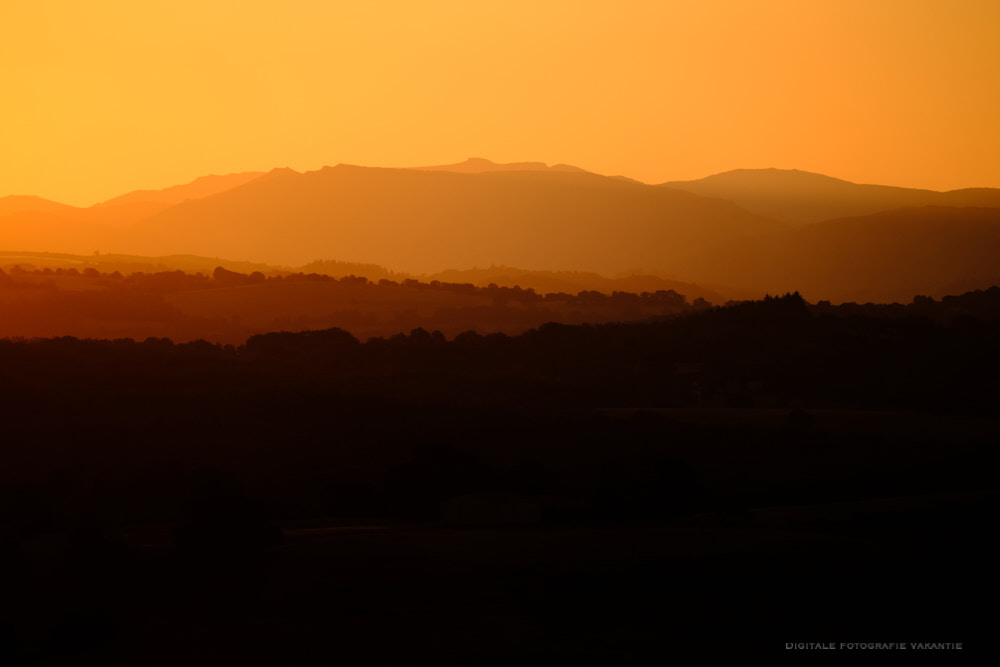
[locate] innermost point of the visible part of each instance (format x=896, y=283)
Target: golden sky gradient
x=102, y=97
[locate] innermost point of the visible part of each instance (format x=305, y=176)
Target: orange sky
x=102, y=97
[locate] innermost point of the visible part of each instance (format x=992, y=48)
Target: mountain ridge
x=203, y=186
x=424, y=221
x=478, y=165
x=555, y=219
x=14, y=204
x=802, y=197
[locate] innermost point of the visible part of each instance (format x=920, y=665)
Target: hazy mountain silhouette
x=803, y=197
x=36, y=224
x=23, y=203
x=421, y=221
x=548, y=221
x=196, y=189
x=887, y=256
x=72, y=229
x=478, y=165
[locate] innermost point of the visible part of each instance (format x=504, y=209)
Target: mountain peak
x=480, y=165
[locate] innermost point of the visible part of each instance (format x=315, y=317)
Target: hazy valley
x=735, y=235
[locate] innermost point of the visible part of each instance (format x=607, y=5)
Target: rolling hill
x=802, y=197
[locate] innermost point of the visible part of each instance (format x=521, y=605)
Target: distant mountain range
x=738, y=233
x=424, y=221
x=801, y=197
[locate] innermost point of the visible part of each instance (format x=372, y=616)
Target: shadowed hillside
x=887, y=256
x=421, y=221
x=802, y=197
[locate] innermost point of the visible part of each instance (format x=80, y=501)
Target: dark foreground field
x=703, y=490
x=645, y=593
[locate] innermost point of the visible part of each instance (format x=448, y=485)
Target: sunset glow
x=105, y=97
x=381, y=332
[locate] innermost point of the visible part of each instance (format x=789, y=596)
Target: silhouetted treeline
x=759, y=403
x=282, y=396
x=978, y=304
x=157, y=481
x=777, y=351
x=228, y=306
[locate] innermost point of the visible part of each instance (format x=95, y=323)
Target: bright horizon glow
x=106, y=97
